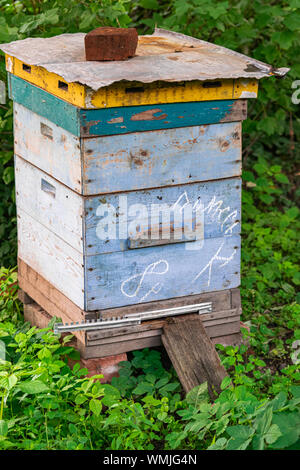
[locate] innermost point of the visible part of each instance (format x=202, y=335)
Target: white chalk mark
x=187, y=201
x=140, y=278
x=214, y=208
x=155, y=289
x=232, y=215
x=209, y=265
x=230, y=229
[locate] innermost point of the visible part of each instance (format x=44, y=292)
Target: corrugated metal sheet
x=165, y=56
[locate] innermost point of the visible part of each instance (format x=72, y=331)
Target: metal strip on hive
x=133, y=319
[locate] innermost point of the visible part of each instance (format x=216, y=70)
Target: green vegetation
x=46, y=404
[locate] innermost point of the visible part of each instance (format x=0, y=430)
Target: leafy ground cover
x=44, y=403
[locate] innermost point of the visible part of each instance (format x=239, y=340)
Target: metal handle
x=48, y=188
x=134, y=243
x=47, y=131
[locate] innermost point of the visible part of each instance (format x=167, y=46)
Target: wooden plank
x=99, y=122
x=221, y=304
x=234, y=339
x=58, y=155
x=236, y=298
x=163, y=272
x=128, y=93
x=118, y=348
x=55, y=206
x=137, y=215
x=51, y=257
x=220, y=300
x=24, y=298
x=122, y=120
x=90, y=352
x=227, y=326
x=193, y=355
x=79, y=221
x=53, y=295
x=245, y=88
x=36, y=316
x=46, y=304
x=60, y=112
x=208, y=320
x=132, y=162
x=161, y=158
x=227, y=336
x=224, y=328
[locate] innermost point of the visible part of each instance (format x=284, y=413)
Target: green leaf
x=226, y=382
x=289, y=426
x=198, y=394
x=295, y=391
x=12, y=380
x=292, y=21
x=240, y=432
x=273, y=434
x=111, y=395
x=263, y=421
x=34, y=387
x=219, y=444
x=238, y=444
x=143, y=387
x=281, y=178
x=95, y=406
x=149, y=4
x=3, y=428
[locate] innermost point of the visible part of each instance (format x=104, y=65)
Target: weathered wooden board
x=129, y=162
x=48, y=146
x=149, y=333
x=163, y=272
x=49, y=202
x=221, y=300
x=37, y=287
x=49, y=296
x=193, y=354
x=161, y=158
x=38, y=316
x=215, y=204
x=82, y=221
x=209, y=320
x=130, y=93
x=23, y=297
x=51, y=257
x=129, y=277
x=122, y=120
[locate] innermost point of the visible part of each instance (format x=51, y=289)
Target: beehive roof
x=165, y=56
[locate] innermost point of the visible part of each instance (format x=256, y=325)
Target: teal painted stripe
x=153, y=117
x=122, y=120
x=43, y=103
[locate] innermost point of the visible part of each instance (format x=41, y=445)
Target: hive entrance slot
x=26, y=68
x=137, y=89
x=62, y=85
x=212, y=84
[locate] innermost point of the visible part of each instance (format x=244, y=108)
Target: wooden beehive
x=163, y=126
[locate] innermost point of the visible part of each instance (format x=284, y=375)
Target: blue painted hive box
x=128, y=180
